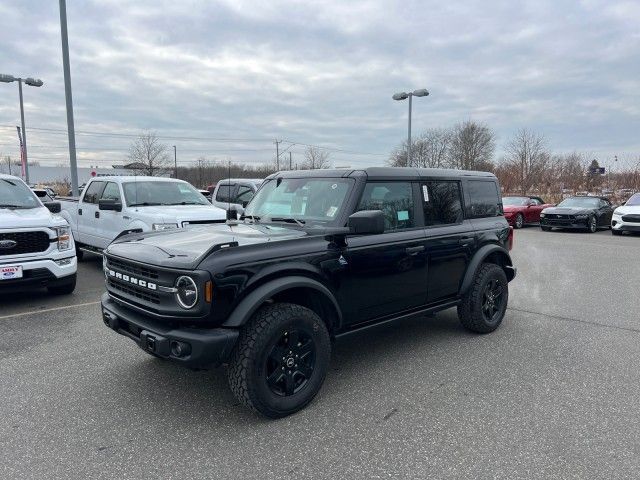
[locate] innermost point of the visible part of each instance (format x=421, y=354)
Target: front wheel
x=519, y=221
x=592, y=225
x=484, y=305
x=281, y=360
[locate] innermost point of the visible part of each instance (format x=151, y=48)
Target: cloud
x=322, y=73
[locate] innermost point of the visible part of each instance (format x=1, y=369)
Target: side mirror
x=366, y=222
x=232, y=214
x=54, y=207
x=245, y=203
x=109, y=204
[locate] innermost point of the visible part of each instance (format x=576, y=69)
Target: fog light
x=64, y=261
x=180, y=349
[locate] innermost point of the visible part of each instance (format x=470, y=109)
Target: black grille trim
x=133, y=291
x=26, y=242
x=631, y=218
x=135, y=270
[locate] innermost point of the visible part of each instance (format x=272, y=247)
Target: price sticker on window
x=425, y=193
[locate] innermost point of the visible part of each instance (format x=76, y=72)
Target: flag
x=22, y=156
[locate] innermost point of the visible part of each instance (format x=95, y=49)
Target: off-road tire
x=64, y=289
x=470, y=310
x=545, y=229
x=247, y=366
x=519, y=221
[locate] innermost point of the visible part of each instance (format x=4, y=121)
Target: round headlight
x=186, y=292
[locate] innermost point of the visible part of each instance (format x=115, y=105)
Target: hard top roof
x=383, y=173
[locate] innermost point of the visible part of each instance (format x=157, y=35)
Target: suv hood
x=182, y=213
x=19, y=218
x=185, y=248
x=630, y=209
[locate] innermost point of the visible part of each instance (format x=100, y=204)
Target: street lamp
x=32, y=82
x=422, y=92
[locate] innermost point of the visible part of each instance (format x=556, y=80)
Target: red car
x=521, y=210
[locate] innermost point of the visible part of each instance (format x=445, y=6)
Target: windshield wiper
x=13, y=206
x=145, y=204
x=185, y=203
x=288, y=220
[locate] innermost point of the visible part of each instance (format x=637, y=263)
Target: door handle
x=414, y=250
x=79, y=211
x=97, y=214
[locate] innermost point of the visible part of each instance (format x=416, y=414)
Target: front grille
x=559, y=216
x=134, y=291
x=631, y=218
x=25, y=242
x=135, y=270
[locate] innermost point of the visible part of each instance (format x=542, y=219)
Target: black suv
x=317, y=254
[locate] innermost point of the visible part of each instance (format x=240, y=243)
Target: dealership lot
x=554, y=392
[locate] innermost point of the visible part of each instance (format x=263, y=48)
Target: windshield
x=515, y=201
x=300, y=200
x=162, y=193
x=15, y=194
x=634, y=200
x=581, y=202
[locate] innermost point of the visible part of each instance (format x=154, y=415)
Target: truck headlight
x=164, y=226
x=542, y=215
x=64, y=238
x=186, y=292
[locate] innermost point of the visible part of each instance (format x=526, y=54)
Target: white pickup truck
x=36, y=247
x=111, y=207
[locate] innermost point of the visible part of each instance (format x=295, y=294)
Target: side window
x=244, y=194
x=604, y=203
x=111, y=192
x=395, y=199
x=224, y=193
x=442, y=202
x=92, y=192
x=485, y=201
x=536, y=201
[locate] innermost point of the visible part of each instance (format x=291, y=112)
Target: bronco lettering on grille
x=133, y=280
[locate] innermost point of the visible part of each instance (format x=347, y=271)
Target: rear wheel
x=519, y=221
x=281, y=360
x=592, y=225
x=484, y=305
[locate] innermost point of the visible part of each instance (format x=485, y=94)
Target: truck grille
x=25, y=242
x=133, y=291
x=631, y=218
x=135, y=270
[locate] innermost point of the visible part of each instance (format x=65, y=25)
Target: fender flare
x=250, y=304
x=477, y=260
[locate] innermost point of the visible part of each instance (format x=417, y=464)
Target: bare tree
x=428, y=150
x=315, y=158
x=526, y=152
x=151, y=156
x=472, y=146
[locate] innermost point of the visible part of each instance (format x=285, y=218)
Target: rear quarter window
x=484, y=199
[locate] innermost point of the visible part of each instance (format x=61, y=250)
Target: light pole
x=32, y=82
x=422, y=92
x=175, y=161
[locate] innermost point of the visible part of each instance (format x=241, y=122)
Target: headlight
x=186, y=292
x=64, y=238
x=164, y=226
x=542, y=215
x=617, y=214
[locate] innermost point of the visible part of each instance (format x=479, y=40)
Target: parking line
x=20, y=314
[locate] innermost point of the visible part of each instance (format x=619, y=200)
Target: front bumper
x=564, y=223
x=193, y=347
x=622, y=226
x=41, y=273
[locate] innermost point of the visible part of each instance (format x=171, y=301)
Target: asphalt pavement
x=553, y=393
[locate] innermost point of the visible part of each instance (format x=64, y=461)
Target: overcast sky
x=240, y=74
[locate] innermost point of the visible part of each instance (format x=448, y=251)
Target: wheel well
x=503, y=261
x=313, y=300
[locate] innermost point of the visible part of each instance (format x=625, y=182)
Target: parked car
x=36, y=246
x=319, y=254
x=626, y=218
x=589, y=213
x=522, y=210
x=235, y=192
x=111, y=207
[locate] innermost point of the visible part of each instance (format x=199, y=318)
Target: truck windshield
x=161, y=193
x=15, y=194
x=300, y=200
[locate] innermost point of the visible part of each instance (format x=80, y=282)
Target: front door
x=385, y=273
x=88, y=220
x=110, y=223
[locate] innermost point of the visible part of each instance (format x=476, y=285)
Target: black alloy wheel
x=519, y=221
x=492, y=300
x=290, y=363
x=592, y=225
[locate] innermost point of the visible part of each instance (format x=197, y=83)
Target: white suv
x=626, y=218
x=36, y=246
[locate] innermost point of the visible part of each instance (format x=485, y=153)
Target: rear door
x=450, y=238
x=386, y=273
x=88, y=213
x=110, y=223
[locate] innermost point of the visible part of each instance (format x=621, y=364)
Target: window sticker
x=425, y=193
x=403, y=215
x=334, y=186
x=332, y=211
